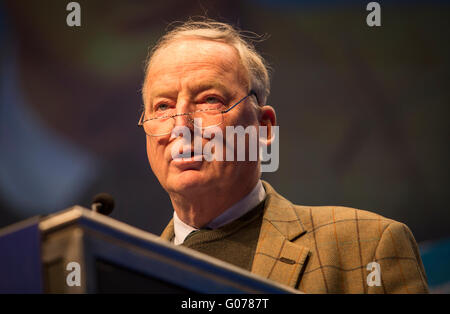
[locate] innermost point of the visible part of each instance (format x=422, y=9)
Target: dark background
x=363, y=111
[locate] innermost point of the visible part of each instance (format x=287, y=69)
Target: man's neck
x=199, y=211
x=250, y=201
x=237, y=210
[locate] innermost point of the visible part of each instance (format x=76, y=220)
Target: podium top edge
x=55, y=220
x=77, y=213
x=35, y=220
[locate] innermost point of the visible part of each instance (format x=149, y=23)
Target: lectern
x=80, y=251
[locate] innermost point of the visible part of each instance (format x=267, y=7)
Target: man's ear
x=268, y=118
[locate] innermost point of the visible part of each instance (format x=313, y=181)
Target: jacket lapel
x=168, y=232
x=276, y=256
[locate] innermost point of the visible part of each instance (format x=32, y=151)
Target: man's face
x=182, y=75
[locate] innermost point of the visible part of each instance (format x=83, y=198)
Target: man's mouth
x=190, y=161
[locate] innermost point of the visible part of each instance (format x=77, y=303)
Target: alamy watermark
x=231, y=147
x=374, y=17
x=73, y=278
x=74, y=17
x=374, y=277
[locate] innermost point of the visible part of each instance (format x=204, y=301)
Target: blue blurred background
x=363, y=111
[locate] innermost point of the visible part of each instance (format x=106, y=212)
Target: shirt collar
x=256, y=196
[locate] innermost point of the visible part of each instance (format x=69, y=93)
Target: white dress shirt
x=256, y=196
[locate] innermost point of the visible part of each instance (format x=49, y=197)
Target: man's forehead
x=196, y=50
x=196, y=59
x=189, y=69
x=190, y=55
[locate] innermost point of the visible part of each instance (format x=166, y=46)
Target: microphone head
x=103, y=203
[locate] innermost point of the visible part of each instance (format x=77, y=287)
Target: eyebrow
x=198, y=88
x=194, y=89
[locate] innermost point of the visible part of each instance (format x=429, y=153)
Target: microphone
x=103, y=203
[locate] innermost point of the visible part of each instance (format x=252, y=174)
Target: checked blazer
x=327, y=249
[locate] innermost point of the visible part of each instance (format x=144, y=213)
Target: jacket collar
x=168, y=232
x=282, y=215
x=277, y=257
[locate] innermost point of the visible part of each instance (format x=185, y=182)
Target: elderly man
x=207, y=71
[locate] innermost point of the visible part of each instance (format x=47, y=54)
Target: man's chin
x=187, y=181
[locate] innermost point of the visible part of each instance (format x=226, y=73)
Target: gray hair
x=256, y=66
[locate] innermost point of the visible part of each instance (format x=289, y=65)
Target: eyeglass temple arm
x=140, y=122
x=252, y=92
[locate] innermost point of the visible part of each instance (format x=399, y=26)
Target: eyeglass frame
x=141, y=122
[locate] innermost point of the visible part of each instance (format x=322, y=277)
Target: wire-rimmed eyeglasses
x=206, y=117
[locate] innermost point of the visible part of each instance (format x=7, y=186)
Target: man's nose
x=183, y=117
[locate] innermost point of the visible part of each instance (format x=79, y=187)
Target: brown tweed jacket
x=327, y=249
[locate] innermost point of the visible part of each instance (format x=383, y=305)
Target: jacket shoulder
x=331, y=218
